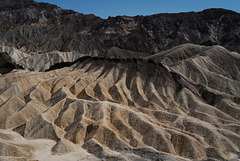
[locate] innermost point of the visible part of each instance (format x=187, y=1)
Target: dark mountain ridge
x=43, y=27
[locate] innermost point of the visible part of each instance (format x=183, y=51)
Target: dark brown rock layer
x=43, y=27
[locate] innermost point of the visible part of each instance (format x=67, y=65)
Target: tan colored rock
x=125, y=109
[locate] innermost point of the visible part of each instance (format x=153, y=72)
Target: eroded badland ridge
x=78, y=87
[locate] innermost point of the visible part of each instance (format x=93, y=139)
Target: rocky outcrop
x=12, y=58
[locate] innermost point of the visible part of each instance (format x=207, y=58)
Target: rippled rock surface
x=181, y=104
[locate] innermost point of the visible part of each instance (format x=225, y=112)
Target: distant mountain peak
x=218, y=10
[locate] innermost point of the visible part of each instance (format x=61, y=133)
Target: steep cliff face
x=39, y=26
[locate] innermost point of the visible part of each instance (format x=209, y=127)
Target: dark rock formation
x=43, y=27
x=7, y=64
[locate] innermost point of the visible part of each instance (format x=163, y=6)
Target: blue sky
x=105, y=8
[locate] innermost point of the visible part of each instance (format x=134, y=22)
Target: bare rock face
x=43, y=27
x=181, y=104
x=12, y=58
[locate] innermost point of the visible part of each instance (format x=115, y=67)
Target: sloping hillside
x=128, y=109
